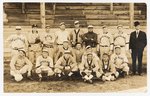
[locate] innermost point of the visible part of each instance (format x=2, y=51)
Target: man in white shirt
x=62, y=35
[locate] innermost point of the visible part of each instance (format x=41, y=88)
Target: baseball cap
x=90, y=26
x=119, y=26
x=18, y=27
x=23, y=51
x=62, y=23
x=117, y=46
x=67, y=52
x=44, y=50
x=47, y=26
x=76, y=22
x=34, y=26
x=104, y=26
x=87, y=47
x=89, y=53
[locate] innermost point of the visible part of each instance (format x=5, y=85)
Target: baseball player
x=120, y=39
x=49, y=41
x=90, y=68
x=66, y=65
x=20, y=65
x=76, y=35
x=62, y=35
x=90, y=38
x=34, y=44
x=120, y=61
x=78, y=51
x=44, y=63
x=62, y=49
x=17, y=42
x=87, y=50
x=105, y=42
x=109, y=70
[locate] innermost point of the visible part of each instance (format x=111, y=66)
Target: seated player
x=66, y=65
x=44, y=64
x=120, y=62
x=90, y=68
x=20, y=65
x=109, y=71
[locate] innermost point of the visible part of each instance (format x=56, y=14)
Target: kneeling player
x=90, y=68
x=120, y=62
x=44, y=64
x=66, y=65
x=109, y=71
x=20, y=65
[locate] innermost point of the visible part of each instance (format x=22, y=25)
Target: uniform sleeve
x=112, y=59
x=96, y=63
x=111, y=42
x=125, y=59
x=38, y=62
x=12, y=63
x=28, y=62
x=51, y=63
x=58, y=64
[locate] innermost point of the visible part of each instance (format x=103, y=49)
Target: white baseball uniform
x=19, y=66
x=44, y=65
x=17, y=42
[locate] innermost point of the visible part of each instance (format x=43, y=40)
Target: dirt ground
x=76, y=85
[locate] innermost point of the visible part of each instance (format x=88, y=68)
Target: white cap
x=18, y=27
x=90, y=26
x=117, y=46
x=76, y=22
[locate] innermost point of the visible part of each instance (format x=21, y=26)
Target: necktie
x=137, y=33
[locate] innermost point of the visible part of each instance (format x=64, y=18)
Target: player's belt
x=48, y=46
x=17, y=48
x=120, y=45
x=59, y=44
x=104, y=45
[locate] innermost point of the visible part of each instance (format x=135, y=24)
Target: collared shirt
x=62, y=36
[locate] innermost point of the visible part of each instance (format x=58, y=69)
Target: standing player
x=44, y=63
x=20, y=65
x=105, y=42
x=17, y=42
x=66, y=65
x=76, y=35
x=120, y=61
x=62, y=35
x=90, y=38
x=49, y=41
x=34, y=44
x=120, y=39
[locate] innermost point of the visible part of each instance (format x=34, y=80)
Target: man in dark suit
x=137, y=43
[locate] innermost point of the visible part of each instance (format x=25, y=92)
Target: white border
x=72, y=94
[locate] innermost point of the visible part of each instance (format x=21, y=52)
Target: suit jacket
x=137, y=43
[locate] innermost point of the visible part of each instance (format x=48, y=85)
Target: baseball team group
x=89, y=55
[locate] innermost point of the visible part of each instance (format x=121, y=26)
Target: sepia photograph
x=51, y=47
